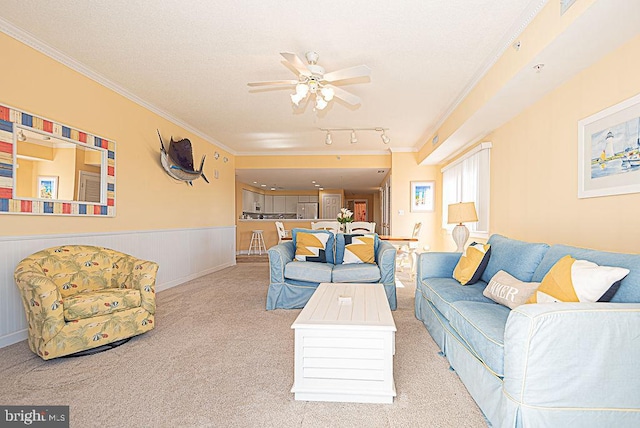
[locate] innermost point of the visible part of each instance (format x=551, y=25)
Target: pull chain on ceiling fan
x=313, y=81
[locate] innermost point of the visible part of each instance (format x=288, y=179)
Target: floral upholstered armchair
x=79, y=297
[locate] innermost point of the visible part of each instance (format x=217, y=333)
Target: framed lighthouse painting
x=609, y=151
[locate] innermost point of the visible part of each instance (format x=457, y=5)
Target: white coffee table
x=344, y=345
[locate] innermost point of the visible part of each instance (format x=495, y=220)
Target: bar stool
x=257, y=242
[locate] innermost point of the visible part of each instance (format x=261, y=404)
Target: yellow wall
x=147, y=198
x=534, y=164
x=404, y=170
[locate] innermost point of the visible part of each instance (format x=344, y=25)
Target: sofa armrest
x=573, y=355
x=386, y=261
x=144, y=279
x=437, y=265
x=42, y=303
x=279, y=256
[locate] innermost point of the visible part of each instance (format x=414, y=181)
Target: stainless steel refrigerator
x=308, y=210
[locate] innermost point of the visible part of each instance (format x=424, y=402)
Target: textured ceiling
x=193, y=60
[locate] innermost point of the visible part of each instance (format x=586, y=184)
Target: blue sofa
x=293, y=282
x=538, y=365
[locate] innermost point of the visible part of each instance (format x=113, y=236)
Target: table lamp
x=462, y=212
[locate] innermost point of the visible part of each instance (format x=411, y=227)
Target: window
x=467, y=180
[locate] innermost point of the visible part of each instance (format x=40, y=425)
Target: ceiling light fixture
x=384, y=137
x=327, y=140
x=354, y=138
x=310, y=86
x=21, y=136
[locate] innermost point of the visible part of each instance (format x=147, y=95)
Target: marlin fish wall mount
x=178, y=161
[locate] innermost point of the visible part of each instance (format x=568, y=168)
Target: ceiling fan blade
x=347, y=73
x=296, y=62
x=274, y=82
x=348, y=97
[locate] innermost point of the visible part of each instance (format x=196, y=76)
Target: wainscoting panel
x=183, y=254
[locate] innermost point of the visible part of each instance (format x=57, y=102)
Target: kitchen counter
x=284, y=220
x=267, y=225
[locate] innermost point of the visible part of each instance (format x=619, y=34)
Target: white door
x=331, y=205
x=89, y=188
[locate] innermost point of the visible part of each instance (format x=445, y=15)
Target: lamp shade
x=462, y=212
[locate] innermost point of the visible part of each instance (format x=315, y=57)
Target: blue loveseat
x=293, y=282
x=538, y=365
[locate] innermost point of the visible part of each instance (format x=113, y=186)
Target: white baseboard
x=183, y=255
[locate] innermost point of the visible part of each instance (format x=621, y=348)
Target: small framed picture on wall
x=422, y=196
x=47, y=187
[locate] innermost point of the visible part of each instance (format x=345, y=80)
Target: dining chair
x=282, y=232
x=407, y=252
x=361, y=226
x=333, y=226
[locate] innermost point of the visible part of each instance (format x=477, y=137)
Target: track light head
x=354, y=138
x=384, y=137
x=327, y=140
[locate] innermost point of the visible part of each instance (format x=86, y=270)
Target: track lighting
x=21, y=136
x=354, y=138
x=384, y=137
x=327, y=140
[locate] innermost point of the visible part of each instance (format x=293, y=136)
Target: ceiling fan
x=312, y=79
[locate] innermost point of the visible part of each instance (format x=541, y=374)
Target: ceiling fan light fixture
x=327, y=140
x=312, y=85
x=354, y=137
x=327, y=93
x=296, y=98
x=302, y=90
x=320, y=103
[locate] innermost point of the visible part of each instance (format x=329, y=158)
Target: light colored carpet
x=218, y=358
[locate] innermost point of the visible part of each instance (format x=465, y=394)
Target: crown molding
x=33, y=42
x=531, y=11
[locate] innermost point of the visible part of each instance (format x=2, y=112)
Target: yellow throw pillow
x=360, y=250
x=311, y=247
x=571, y=280
x=472, y=264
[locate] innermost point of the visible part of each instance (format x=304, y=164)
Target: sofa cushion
x=362, y=272
x=311, y=247
x=509, y=291
x=331, y=241
x=571, y=280
x=341, y=239
x=94, y=303
x=442, y=292
x=359, y=249
x=518, y=258
x=629, y=291
x=481, y=326
x=472, y=263
x=308, y=271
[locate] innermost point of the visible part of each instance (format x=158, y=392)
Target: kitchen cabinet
x=268, y=204
x=304, y=198
x=252, y=201
x=291, y=204
x=279, y=204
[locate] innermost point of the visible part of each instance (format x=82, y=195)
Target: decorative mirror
x=47, y=168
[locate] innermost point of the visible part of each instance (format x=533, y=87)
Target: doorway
x=359, y=208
